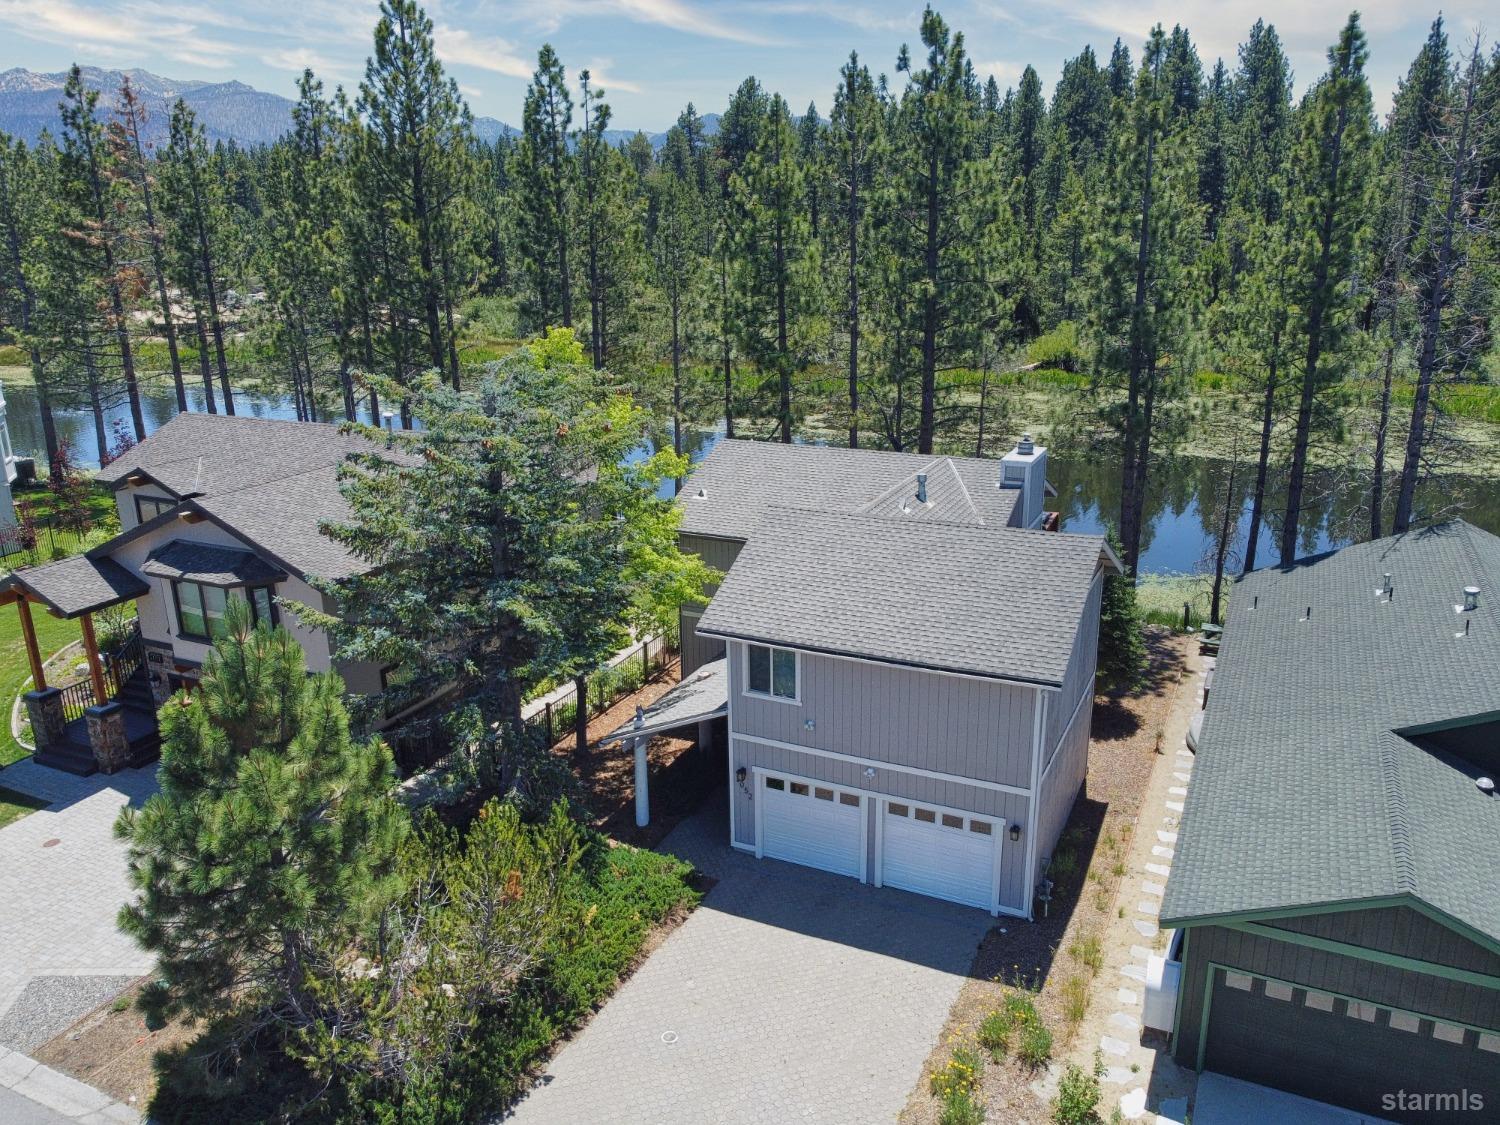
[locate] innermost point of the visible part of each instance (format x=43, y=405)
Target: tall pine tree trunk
x=1263, y=458
x=203, y=360
x=1132, y=469
x=927, y=421
x=853, y=286
x=1436, y=293
x=1382, y=424
x=676, y=299
x=783, y=355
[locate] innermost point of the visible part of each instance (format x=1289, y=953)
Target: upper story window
x=200, y=607
x=771, y=672
x=149, y=507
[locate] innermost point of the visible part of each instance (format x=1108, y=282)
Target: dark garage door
x=1350, y=1053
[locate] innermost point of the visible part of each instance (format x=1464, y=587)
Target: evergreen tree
x=544, y=177
x=87, y=181
x=676, y=251
x=592, y=171
x=855, y=141
x=1331, y=164
x=197, y=211
x=499, y=541
x=1122, y=645
x=775, y=261
x=1148, y=228
x=133, y=168
x=274, y=831
x=23, y=190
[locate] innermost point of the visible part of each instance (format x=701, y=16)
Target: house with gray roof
x=211, y=507
x=905, y=654
x=1337, y=876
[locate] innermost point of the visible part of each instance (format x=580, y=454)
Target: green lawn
x=51, y=634
x=13, y=806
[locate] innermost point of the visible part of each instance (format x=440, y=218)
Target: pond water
x=1184, y=492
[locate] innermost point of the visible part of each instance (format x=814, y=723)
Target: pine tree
x=134, y=169
x=855, y=142
x=1122, y=645
x=197, y=211
x=273, y=832
x=592, y=172
x=1450, y=232
x=544, y=177
x=22, y=192
x=86, y=178
x=775, y=261
x=676, y=252
x=1330, y=161
x=1148, y=227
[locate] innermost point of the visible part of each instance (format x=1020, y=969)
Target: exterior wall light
x=1015, y=833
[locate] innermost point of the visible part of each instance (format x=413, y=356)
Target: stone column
x=45, y=710
x=107, y=736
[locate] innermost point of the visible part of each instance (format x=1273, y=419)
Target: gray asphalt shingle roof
x=272, y=482
x=77, y=585
x=739, y=480
x=205, y=562
x=1312, y=785
x=988, y=601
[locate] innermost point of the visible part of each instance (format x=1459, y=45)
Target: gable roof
x=731, y=489
x=987, y=601
x=271, y=483
x=76, y=585
x=1313, y=785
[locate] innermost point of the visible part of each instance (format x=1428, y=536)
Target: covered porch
x=696, y=702
x=108, y=721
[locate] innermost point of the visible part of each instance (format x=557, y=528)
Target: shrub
x=1088, y=951
x=1077, y=1101
x=1064, y=865
x=961, y=1108
x=1075, y=997
x=1058, y=348
x=994, y=1034
x=960, y=1074
x=1034, y=1047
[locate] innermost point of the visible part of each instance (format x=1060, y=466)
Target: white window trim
x=794, y=701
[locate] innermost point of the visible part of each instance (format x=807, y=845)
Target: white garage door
x=811, y=824
x=948, y=855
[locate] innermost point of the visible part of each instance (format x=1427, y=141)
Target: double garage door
x=1347, y=1052
x=927, y=849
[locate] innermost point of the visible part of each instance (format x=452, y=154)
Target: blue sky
x=653, y=56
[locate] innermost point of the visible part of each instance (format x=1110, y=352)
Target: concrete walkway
x=1228, y=1101
x=62, y=881
x=789, y=995
x=33, y=1094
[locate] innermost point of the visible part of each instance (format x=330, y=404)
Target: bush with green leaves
x=1057, y=349
x=1034, y=1044
x=1077, y=1101
x=962, y=1107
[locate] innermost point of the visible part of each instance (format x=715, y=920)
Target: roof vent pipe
x=1485, y=784
x=922, y=488
x=1471, y=598
x=1387, y=582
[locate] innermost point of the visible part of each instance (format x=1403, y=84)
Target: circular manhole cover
x=669, y=1037
x=52, y=843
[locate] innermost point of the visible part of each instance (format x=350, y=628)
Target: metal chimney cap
x=1025, y=445
x=1471, y=598
x=1485, y=784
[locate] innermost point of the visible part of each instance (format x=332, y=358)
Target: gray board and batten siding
x=719, y=554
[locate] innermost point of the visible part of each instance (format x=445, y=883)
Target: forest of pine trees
x=874, y=272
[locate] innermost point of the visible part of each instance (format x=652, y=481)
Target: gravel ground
x=1122, y=754
x=48, y=1005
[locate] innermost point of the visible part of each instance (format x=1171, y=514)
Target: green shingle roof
x=1313, y=785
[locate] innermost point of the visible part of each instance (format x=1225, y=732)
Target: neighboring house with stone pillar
x=211, y=507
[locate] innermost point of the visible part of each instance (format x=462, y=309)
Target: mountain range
x=228, y=111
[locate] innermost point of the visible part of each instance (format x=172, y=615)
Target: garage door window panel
x=933, y=852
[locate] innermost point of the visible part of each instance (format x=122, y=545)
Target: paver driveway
x=789, y=995
x=62, y=881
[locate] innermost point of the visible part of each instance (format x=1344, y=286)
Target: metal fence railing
x=118, y=667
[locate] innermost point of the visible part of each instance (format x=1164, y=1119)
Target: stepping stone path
x=1119, y=1075
x=1177, y=791
x=1153, y=888
x=1162, y=852
x=1145, y=929
x=1128, y=997
x=1133, y=1104
x=1166, y=837
x=1158, y=868
x=1112, y=1046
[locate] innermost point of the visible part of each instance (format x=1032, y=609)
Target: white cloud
x=120, y=33
x=599, y=71
x=677, y=15
x=473, y=93
x=297, y=59
x=1005, y=72
x=462, y=48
